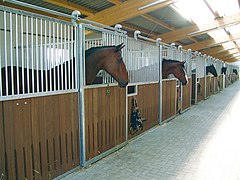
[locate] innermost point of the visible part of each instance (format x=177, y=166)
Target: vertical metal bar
x=37, y=56
x=27, y=56
x=5, y=51
x=22, y=50
x=71, y=59
x=160, y=84
x=50, y=56
x=32, y=55
x=75, y=55
x=181, y=86
x=46, y=56
x=81, y=76
x=64, y=51
x=41, y=53
x=1, y=60
x=205, y=78
x=17, y=59
x=54, y=57
x=59, y=63
x=11, y=50
x=62, y=55
x=69, y=56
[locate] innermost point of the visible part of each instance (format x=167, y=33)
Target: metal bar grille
x=37, y=55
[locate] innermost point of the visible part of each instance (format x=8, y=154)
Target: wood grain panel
x=208, y=86
x=105, y=116
x=2, y=142
x=186, y=95
x=40, y=136
x=200, y=93
x=148, y=104
x=169, y=99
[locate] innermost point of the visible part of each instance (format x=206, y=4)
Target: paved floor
x=201, y=144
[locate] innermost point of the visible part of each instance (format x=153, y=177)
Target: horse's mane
x=166, y=61
x=94, y=49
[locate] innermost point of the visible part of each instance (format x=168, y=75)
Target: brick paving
x=201, y=144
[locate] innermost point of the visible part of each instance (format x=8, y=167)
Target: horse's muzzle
x=122, y=84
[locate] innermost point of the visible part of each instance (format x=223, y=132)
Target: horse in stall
x=176, y=68
x=108, y=58
x=223, y=70
x=211, y=69
x=235, y=71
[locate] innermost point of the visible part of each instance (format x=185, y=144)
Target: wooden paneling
x=148, y=104
x=208, y=86
x=200, y=91
x=41, y=136
x=2, y=144
x=105, y=119
x=168, y=99
x=193, y=89
x=186, y=95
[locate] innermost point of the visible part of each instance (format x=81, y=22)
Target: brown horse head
x=108, y=58
x=176, y=68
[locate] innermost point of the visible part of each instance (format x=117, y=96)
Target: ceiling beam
x=33, y=11
x=126, y=10
x=200, y=45
x=72, y=6
x=214, y=50
x=157, y=21
x=134, y=28
x=194, y=30
x=115, y=1
x=210, y=43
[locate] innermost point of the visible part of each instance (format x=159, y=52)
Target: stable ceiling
x=208, y=26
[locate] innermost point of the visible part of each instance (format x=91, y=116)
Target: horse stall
x=103, y=103
x=176, y=98
x=39, y=131
x=187, y=89
x=210, y=79
x=219, y=80
x=198, y=78
x=143, y=64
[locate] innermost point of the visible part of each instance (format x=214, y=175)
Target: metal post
x=80, y=58
x=160, y=81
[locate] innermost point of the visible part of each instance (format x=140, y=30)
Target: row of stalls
x=52, y=122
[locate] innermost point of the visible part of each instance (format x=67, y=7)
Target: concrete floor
x=201, y=144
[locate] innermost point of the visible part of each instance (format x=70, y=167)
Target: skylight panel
x=224, y=7
x=195, y=10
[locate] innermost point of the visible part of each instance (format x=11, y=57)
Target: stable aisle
x=201, y=144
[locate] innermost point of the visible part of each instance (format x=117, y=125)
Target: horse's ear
x=119, y=47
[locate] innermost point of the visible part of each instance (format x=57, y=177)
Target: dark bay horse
x=211, y=69
x=223, y=70
x=235, y=71
x=107, y=57
x=176, y=68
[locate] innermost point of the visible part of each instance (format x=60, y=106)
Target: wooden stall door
x=168, y=99
x=208, y=86
x=186, y=95
x=105, y=119
x=148, y=104
x=41, y=136
x=2, y=145
x=193, y=96
x=200, y=89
